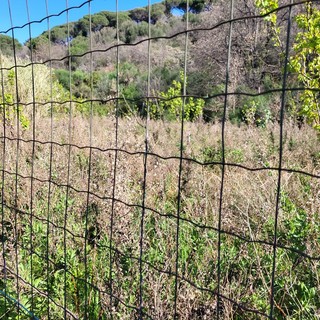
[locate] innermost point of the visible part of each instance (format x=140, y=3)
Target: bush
x=170, y=105
x=254, y=110
x=7, y=44
x=128, y=32
x=255, y=113
x=34, y=84
x=79, y=46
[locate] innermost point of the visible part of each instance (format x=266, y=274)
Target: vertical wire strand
x=17, y=160
x=225, y=105
x=115, y=161
x=32, y=159
x=87, y=316
x=278, y=199
x=3, y=233
x=176, y=315
x=68, y=168
x=50, y=164
x=145, y=170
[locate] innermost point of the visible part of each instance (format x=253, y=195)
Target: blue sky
x=37, y=11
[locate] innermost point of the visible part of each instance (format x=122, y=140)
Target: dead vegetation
x=50, y=227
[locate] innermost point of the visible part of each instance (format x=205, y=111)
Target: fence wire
x=75, y=245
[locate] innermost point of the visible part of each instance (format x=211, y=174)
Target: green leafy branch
x=305, y=62
x=171, y=103
x=7, y=104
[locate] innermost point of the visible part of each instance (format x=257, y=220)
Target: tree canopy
x=7, y=44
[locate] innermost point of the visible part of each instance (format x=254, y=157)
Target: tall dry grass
x=247, y=218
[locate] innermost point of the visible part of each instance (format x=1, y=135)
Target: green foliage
x=143, y=29
x=79, y=46
x=81, y=84
x=59, y=34
x=171, y=104
x=80, y=81
x=199, y=83
x=35, y=86
x=256, y=112
x=82, y=26
x=267, y=6
x=211, y=154
x=142, y=14
x=139, y=15
x=81, y=91
x=104, y=87
x=54, y=276
x=62, y=76
x=8, y=108
x=129, y=87
x=157, y=11
x=294, y=233
x=129, y=31
x=8, y=111
x=296, y=228
x=98, y=22
x=36, y=43
x=157, y=30
x=112, y=17
x=195, y=6
x=165, y=75
x=305, y=62
x=7, y=44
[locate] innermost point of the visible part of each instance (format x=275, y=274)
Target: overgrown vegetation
x=65, y=251
x=80, y=270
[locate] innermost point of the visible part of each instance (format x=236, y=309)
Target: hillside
x=255, y=64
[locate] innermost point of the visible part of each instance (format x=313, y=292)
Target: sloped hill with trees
x=256, y=62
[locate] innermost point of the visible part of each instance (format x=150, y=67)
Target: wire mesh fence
x=114, y=213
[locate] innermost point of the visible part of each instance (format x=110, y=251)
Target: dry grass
x=248, y=211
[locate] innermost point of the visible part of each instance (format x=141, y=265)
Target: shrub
x=32, y=82
x=7, y=44
x=171, y=103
